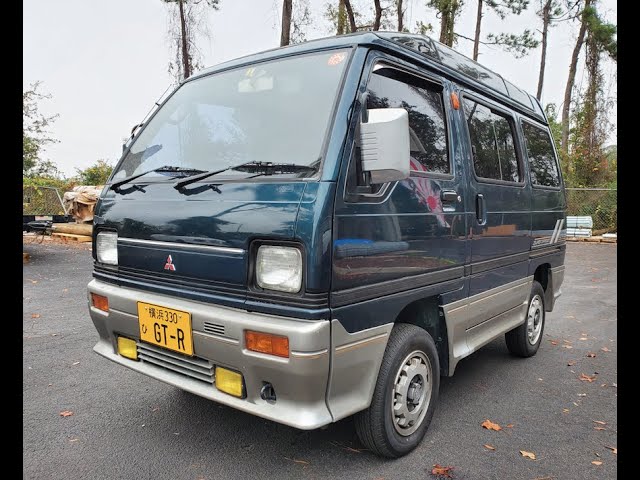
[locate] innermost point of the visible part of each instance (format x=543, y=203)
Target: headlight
x=107, y=247
x=279, y=268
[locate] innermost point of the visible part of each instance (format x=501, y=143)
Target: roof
x=419, y=47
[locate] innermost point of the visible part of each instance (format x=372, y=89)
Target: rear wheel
x=524, y=341
x=405, y=396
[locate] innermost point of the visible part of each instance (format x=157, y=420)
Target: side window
x=492, y=144
x=542, y=160
x=391, y=88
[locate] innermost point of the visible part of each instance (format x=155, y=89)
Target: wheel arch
x=427, y=314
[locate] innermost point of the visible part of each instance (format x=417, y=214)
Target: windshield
x=274, y=111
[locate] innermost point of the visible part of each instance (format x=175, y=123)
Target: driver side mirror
x=384, y=144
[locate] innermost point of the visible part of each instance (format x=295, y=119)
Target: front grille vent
x=214, y=328
x=194, y=367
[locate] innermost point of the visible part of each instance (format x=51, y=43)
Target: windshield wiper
x=166, y=168
x=261, y=168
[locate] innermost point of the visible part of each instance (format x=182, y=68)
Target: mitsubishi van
x=327, y=229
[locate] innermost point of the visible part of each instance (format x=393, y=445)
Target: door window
x=492, y=144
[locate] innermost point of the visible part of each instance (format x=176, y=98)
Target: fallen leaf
x=155, y=409
x=599, y=422
x=567, y=341
x=54, y=334
x=510, y=425
x=73, y=439
x=603, y=385
x=571, y=363
x=296, y=461
x=553, y=342
x=567, y=346
x=575, y=404
x=50, y=385
x=605, y=349
x=596, y=454
x=489, y=425
x=582, y=394
x=569, y=316
x=614, y=450
x=530, y=455
x=34, y=281
x=565, y=410
x=583, y=338
x=599, y=428
x=176, y=433
x=65, y=290
x=591, y=355
x=66, y=413
x=35, y=315
x=489, y=447
x=539, y=379
x=597, y=462
x=587, y=378
x=76, y=363
x=442, y=471
x=143, y=425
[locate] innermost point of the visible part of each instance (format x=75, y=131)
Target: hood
x=200, y=238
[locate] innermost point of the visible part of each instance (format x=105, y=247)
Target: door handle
x=481, y=209
x=449, y=196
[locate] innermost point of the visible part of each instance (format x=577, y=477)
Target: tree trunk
x=546, y=14
x=186, y=67
x=352, y=18
x=342, y=18
x=564, y=144
x=285, y=35
x=476, y=40
x=443, y=25
x=400, y=16
x=378, y=17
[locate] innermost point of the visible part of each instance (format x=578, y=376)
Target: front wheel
x=524, y=341
x=405, y=396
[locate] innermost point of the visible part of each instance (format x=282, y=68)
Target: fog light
x=100, y=302
x=229, y=382
x=127, y=348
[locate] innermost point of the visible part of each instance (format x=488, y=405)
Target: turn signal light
x=267, y=343
x=100, y=302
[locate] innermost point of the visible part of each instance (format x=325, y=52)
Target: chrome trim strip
x=359, y=343
x=309, y=355
x=184, y=246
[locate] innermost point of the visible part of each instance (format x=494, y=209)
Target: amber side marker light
x=267, y=343
x=100, y=302
x=455, y=102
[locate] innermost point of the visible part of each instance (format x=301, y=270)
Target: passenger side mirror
x=384, y=143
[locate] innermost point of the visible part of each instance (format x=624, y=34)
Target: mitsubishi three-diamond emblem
x=169, y=265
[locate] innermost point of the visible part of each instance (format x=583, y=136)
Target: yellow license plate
x=165, y=327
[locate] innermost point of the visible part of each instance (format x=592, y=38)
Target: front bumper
x=300, y=381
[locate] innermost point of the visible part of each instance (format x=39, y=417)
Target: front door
x=405, y=235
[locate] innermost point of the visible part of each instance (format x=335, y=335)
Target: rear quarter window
x=542, y=160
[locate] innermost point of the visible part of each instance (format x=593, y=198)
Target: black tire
x=375, y=425
x=519, y=341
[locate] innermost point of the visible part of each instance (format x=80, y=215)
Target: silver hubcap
x=535, y=317
x=411, y=393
